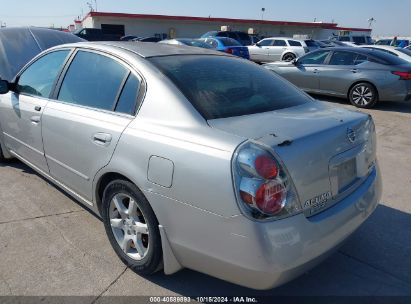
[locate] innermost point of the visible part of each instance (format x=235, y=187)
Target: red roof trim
x=352, y=29
x=223, y=20
x=229, y=20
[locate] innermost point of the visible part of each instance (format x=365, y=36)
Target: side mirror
x=258, y=45
x=4, y=86
x=294, y=62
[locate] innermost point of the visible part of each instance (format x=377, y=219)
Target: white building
x=191, y=27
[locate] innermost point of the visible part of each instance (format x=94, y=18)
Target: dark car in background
x=314, y=44
x=227, y=45
x=365, y=76
x=18, y=45
x=95, y=34
x=187, y=42
x=147, y=39
x=243, y=38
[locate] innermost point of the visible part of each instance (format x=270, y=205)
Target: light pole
x=95, y=1
x=371, y=21
x=262, y=13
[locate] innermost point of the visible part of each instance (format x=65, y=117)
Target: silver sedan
x=194, y=158
x=364, y=76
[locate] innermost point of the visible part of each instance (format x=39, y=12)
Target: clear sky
x=392, y=16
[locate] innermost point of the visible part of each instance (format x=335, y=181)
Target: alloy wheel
x=362, y=95
x=129, y=226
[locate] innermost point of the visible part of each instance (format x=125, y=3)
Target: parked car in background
x=364, y=76
x=147, y=39
x=18, y=45
x=227, y=45
x=188, y=42
x=128, y=38
x=314, y=44
x=95, y=34
x=335, y=43
x=357, y=40
x=277, y=49
x=243, y=38
x=395, y=51
x=216, y=181
x=389, y=42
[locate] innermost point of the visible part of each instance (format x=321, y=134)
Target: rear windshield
x=229, y=42
x=222, y=86
x=386, y=58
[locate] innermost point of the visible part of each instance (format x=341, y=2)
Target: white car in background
x=277, y=49
x=396, y=51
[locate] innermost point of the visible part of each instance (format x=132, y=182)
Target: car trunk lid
x=323, y=148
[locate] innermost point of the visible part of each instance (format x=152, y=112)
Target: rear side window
x=314, y=58
x=279, y=43
x=38, y=78
x=93, y=80
x=343, y=58
x=294, y=43
x=221, y=86
x=127, y=101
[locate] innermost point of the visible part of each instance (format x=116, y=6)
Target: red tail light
x=266, y=167
x=229, y=51
x=265, y=190
x=270, y=197
x=403, y=75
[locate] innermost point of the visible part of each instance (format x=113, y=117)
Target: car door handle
x=102, y=138
x=35, y=119
x=316, y=71
x=37, y=108
x=354, y=70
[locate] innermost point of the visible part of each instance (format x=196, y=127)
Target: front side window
x=220, y=86
x=38, y=78
x=266, y=42
x=93, y=80
x=314, y=58
x=279, y=43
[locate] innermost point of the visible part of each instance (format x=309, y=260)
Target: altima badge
x=351, y=135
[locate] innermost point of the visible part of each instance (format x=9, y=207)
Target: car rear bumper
x=265, y=255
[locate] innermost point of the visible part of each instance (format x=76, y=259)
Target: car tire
x=132, y=227
x=289, y=57
x=363, y=95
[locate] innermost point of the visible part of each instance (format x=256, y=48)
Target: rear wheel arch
x=103, y=182
x=288, y=53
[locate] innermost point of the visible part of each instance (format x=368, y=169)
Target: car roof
x=148, y=49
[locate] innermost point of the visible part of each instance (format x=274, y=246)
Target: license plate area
x=348, y=169
x=346, y=174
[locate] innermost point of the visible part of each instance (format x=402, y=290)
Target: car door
x=276, y=50
x=304, y=73
x=259, y=52
x=94, y=102
x=342, y=69
x=21, y=110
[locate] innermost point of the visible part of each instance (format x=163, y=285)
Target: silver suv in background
x=277, y=49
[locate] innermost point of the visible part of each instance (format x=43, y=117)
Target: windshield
x=222, y=86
